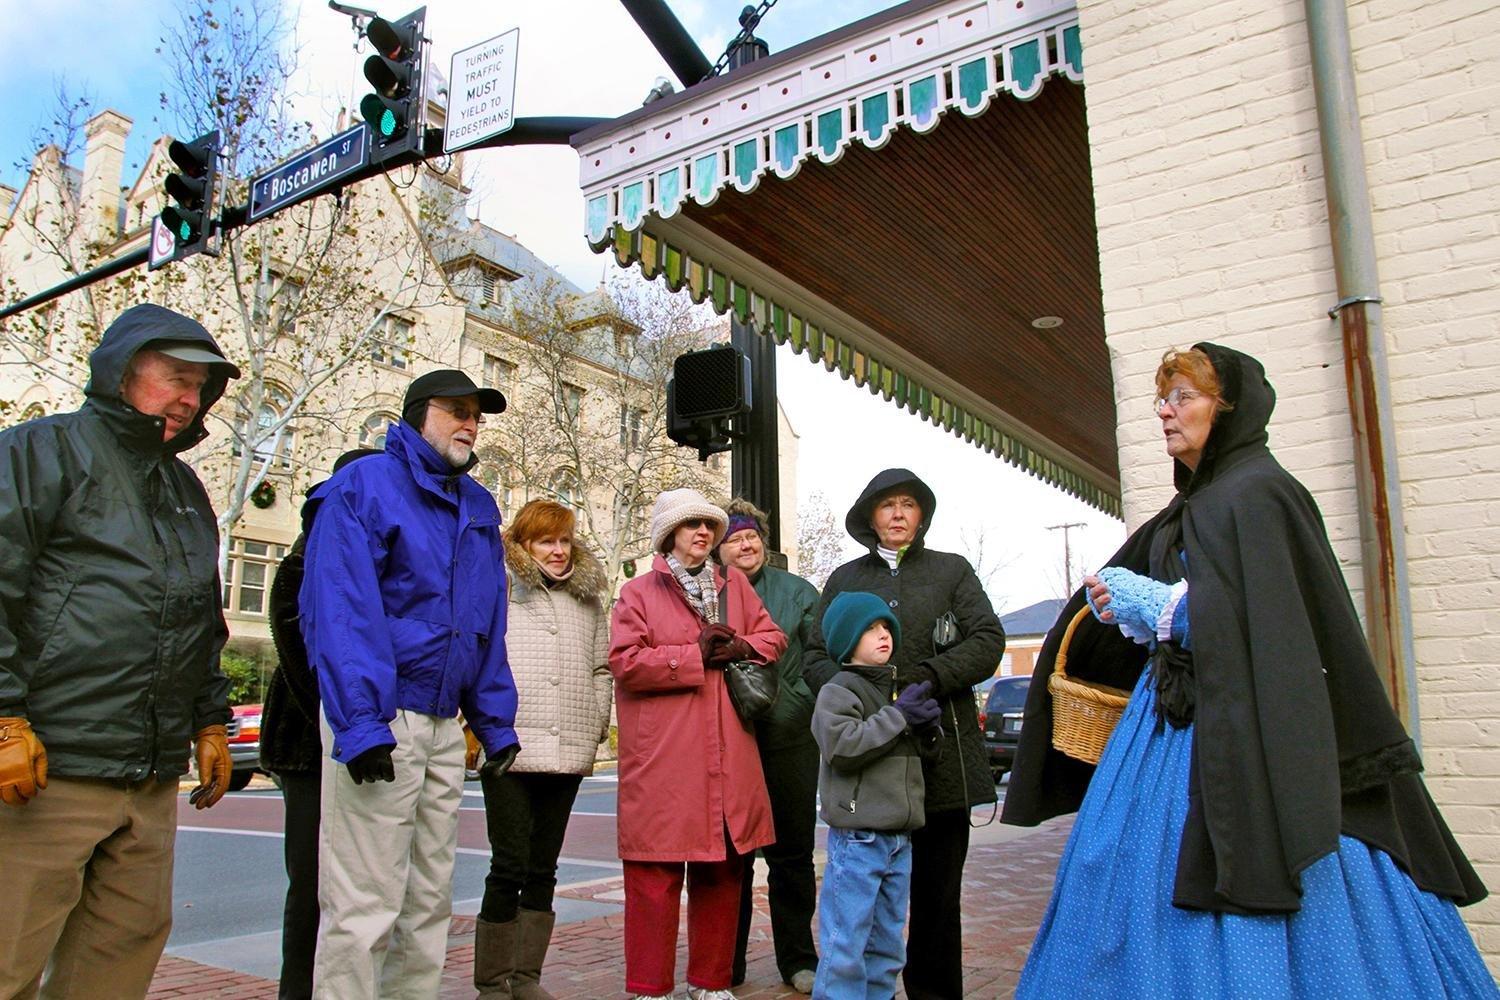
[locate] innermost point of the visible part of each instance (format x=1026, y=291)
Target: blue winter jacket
x=403, y=602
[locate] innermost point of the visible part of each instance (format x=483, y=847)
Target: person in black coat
x=1257, y=820
x=922, y=587
x=291, y=749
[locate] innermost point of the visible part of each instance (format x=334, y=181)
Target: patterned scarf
x=703, y=600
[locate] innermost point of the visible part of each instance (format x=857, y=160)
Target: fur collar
x=586, y=584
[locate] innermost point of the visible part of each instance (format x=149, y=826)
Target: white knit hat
x=675, y=506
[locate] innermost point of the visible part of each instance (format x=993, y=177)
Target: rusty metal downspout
x=1381, y=525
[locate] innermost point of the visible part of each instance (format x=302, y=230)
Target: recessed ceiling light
x=1047, y=322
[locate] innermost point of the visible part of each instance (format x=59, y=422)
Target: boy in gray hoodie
x=870, y=783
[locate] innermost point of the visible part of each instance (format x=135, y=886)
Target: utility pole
x=1067, y=530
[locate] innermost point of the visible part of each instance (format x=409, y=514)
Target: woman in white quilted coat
x=558, y=643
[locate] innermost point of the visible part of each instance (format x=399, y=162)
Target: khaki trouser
x=385, y=867
x=86, y=869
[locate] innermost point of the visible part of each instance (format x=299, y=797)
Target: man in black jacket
x=109, y=660
x=292, y=749
x=921, y=586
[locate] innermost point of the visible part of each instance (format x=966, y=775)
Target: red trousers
x=653, y=892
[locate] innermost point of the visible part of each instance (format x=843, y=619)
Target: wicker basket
x=1083, y=713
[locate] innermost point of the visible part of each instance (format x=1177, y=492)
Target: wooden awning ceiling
x=906, y=228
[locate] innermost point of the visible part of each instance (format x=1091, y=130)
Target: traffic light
x=190, y=220
x=394, y=111
x=708, y=389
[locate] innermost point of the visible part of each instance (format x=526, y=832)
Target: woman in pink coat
x=692, y=795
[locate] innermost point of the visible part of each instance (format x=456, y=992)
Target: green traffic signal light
x=382, y=115
x=394, y=111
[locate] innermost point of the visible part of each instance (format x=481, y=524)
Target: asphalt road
x=230, y=881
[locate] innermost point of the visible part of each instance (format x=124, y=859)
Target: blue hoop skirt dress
x=1110, y=931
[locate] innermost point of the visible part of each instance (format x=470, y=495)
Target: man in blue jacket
x=403, y=613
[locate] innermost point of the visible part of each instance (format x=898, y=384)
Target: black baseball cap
x=449, y=382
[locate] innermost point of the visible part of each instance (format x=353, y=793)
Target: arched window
x=372, y=434
x=565, y=486
x=494, y=473
x=267, y=447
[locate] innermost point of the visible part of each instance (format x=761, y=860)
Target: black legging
x=792, y=783
x=299, y=919
x=526, y=816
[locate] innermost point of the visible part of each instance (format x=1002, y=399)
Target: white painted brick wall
x=1213, y=225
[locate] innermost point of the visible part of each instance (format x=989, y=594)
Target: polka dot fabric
x=1364, y=931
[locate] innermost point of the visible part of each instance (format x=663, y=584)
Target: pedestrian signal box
x=708, y=389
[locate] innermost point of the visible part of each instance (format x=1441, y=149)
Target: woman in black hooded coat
x=922, y=585
x=1257, y=825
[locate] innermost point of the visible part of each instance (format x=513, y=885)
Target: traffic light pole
x=526, y=132
x=754, y=468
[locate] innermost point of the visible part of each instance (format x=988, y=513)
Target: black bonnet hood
x=1238, y=432
x=857, y=521
x=135, y=329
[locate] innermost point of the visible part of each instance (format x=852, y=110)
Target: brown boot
x=531, y=952
x=495, y=958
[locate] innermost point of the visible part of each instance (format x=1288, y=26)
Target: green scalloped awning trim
x=876, y=114
x=1026, y=64
x=974, y=82
x=746, y=159
x=669, y=189
x=1073, y=49
x=786, y=146
x=784, y=325
x=830, y=131
x=706, y=176
x=924, y=99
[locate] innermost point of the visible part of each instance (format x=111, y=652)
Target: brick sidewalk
x=1005, y=892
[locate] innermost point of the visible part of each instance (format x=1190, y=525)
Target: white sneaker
x=658, y=996
x=803, y=979
x=696, y=994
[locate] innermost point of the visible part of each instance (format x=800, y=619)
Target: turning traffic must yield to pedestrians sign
x=482, y=97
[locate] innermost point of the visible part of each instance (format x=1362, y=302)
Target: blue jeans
x=861, y=912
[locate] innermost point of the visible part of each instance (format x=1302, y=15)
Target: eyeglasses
x=1175, y=398
x=695, y=524
x=461, y=413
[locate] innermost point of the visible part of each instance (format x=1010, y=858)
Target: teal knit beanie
x=846, y=619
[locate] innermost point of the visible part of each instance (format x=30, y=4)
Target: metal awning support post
x=754, y=470
x=1381, y=525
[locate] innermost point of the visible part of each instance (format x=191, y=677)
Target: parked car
x=1001, y=721
x=244, y=745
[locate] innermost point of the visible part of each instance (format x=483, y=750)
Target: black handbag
x=752, y=687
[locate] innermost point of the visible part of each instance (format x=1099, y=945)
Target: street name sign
x=322, y=166
x=482, y=81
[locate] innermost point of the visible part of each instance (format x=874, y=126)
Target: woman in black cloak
x=1257, y=825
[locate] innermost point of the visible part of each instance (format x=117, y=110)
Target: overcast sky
x=578, y=57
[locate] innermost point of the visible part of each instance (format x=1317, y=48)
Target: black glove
x=919, y=708
x=373, y=765
x=497, y=765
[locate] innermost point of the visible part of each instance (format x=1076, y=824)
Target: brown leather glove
x=214, y=766
x=23, y=762
x=710, y=640
x=732, y=649
x=472, y=749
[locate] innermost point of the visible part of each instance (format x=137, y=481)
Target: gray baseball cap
x=195, y=351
